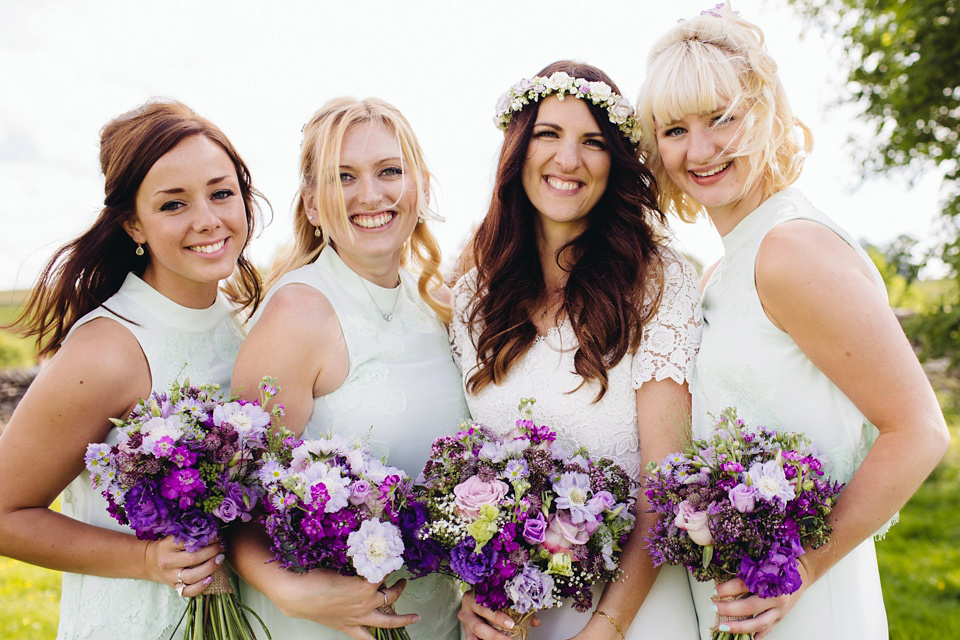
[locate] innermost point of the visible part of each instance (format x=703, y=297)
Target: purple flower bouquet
x=330, y=505
x=742, y=503
x=185, y=465
x=520, y=520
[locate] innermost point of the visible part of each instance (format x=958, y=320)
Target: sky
x=260, y=69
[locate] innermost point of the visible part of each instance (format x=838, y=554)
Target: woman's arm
x=663, y=422
x=299, y=341
x=819, y=290
x=98, y=374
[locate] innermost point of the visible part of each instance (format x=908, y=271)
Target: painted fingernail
x=223, y=546
x=208, y=580
x=219, y=559
x=713, y=607
x=715, y=591
x=508, y=623
x=724, y=627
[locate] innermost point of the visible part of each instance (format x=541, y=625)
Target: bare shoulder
x=100, y=372
x=443, y=294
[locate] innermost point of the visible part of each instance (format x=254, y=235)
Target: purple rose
x=469, y=566
x=473, y=493
x=563, y=535
x=227, y=511
x=359, y=491
x=776, y=574
x=534, y=529
x=600, y=502
x=743, y=498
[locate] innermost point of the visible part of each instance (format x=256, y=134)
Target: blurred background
x=878, y=81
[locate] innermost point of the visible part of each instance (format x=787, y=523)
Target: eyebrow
x=391, y=160
x=556, y=127
x=174, y=190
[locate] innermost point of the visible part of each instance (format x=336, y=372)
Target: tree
x=903, y=60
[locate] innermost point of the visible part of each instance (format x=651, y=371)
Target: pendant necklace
x=386, y=316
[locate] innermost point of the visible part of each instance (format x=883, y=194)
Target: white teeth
x=714, y=171
x=208, y=248
x=562, y=185
x=371, y=222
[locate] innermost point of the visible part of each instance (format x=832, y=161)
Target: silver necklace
x=386, y=316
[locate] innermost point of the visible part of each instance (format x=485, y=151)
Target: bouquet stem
x=521, y=627
x=218, y=614
x=400, y=633
x=727, y=635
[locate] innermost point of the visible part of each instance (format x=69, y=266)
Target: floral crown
x=599, y=93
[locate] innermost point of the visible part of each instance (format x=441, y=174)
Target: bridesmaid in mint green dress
x=797, y=332
x=354, y=329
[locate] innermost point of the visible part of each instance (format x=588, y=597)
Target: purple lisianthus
x=147, y=512
x=600, y=502
x=531, y=590
x=196, y=529
x=743, y=498
x=776, y=574
x=359, y=491
x=469, y=566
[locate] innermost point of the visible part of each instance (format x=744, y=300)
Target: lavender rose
x=695, y=523
x=534, y=529
x=743, y=498
x=473, y=493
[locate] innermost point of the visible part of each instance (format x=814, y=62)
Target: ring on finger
x=384, y=594
x=179, y=586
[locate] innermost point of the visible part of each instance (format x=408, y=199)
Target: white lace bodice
x=748, y=363
x=177, y=341
x=402, y=391
x=546, y=372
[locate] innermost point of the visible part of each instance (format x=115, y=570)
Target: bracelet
x=612, y=621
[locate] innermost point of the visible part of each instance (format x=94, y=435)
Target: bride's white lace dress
x=606, y=428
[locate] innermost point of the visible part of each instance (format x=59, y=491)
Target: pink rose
x=473, y=493
x=562, y=535
x=695, y=523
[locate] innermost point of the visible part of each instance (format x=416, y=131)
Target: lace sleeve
x=671, y=338
x=460, y=339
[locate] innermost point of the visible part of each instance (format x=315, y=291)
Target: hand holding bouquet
x=742, y=503
x=330, y=505
x=185, y=466
x=523, y=522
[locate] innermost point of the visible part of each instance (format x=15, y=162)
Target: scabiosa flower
x=376, y=548
x=573, y=492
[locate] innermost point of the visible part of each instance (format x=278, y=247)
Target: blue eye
x=673, y=131
x=345, y=177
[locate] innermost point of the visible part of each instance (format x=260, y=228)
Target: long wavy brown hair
x=86, y=271
x=616, y=273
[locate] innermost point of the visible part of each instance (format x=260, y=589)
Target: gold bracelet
x=613, y=622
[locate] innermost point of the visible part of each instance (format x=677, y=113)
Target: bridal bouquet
x=331, y=505
x=520, y=520
x=742, y=503
x=185, y=466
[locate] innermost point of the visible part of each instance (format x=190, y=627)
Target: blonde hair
x=320, y=180
x=718, y=62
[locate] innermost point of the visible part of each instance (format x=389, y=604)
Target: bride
x=576, y=301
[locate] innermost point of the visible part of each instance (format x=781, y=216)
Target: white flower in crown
x=561, y=83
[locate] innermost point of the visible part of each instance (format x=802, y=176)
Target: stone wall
x=13, y=384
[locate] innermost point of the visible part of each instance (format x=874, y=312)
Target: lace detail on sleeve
x=671, y=339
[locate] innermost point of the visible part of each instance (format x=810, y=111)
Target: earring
x=421, y=219
x=317, y=232
x=139, y=250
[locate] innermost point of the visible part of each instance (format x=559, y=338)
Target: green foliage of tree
x=903, y=60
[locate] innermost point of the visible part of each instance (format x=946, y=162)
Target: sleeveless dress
x=747, y=363
x=606, y=428
x=177, y=342
x=402, y=392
